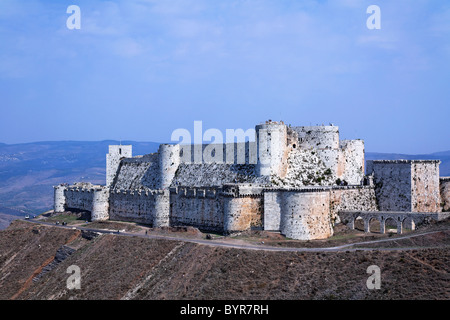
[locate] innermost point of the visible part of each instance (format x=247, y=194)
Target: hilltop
x=34, y=260
x=29, y=171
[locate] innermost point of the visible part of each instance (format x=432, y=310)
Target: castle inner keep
x=295, y=180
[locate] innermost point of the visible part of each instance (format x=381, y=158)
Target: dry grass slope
x=118, y=267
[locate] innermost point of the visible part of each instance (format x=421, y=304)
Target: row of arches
x=383, y=224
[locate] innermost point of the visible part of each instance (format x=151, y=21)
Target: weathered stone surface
x=425, y=193
x=406, y=185
x=305, y=215
x=291, y=179
x=113, y=158
x=305, y=168
x=352, y=198
x=445, y=193
x=214, y=174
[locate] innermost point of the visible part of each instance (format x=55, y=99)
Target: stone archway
x=357, y=223
x=409, y=224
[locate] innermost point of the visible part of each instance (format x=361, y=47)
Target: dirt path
x=217, y=243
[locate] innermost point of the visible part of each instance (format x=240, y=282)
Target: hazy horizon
x=156, y=142
x=139, y=69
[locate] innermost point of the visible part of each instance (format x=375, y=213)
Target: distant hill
x=29, y=171
x=7, y=215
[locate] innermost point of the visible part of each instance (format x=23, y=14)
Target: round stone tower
x=113, y=158
x=162, y=209
x=271, y=139
x=59, y=198
x=169, y=160
x=100, y=205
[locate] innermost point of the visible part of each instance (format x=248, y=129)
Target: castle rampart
x=138, y=206
x=293, y=180
x=198, y=207
x=113, y=158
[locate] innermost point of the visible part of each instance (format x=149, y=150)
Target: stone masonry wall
x=318, y=137
x=198, y=207
x=212, y=209
x=113, y=158
x=392, y=180
x=351, y=161
x=406, y=185
x=305, y=168
x=339, y=198
x=357, y=198
x=445, y=193
x=243, y=213
x=305, y=215
x=59, y=199
x=100, y=204
x=79, y=197
x=271, y=138
x=136, y=206
x=425, y=186
x=140, y=172
x=272, y=210
x=229, y=153
x=88, y=197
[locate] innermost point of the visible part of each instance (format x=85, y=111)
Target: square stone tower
x=406, y=185
x=116, y=153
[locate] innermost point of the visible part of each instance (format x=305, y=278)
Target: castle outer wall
x=296, y=181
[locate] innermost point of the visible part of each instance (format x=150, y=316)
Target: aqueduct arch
x=402, y=220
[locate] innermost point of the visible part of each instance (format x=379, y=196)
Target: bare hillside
x=122, y=267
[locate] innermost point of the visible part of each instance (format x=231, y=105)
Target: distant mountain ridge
x=29, y=171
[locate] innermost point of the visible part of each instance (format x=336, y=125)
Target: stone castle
x=299, y=181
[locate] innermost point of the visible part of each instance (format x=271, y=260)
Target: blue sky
x=139, y=69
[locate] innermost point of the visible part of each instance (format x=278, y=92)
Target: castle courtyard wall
x=139, y=206
x=355, y=198
x=197, y=207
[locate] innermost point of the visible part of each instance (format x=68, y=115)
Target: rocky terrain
x=116, y=266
